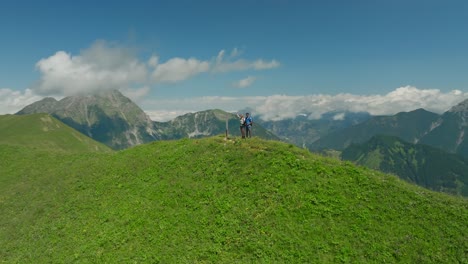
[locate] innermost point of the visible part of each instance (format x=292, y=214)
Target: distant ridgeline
x=448, y=131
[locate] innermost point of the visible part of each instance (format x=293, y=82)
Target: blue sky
x=280, y=58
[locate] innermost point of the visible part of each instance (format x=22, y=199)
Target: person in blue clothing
x=248, y=125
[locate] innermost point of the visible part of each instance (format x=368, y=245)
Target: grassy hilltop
x=215, y=201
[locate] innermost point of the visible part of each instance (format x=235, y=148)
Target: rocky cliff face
x=450, y=131
x=108, y=117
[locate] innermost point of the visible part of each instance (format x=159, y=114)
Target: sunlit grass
x=218, y=201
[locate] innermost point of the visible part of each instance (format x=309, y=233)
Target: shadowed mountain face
x=447, y=131
x=424, y=165
x=108, y=117
x=410, y=126
x=450, y=131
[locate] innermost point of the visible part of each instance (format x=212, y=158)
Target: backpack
x=248, y=121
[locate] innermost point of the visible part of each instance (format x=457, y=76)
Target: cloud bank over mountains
x=105, y=66
x=278, y=107
x=273, y=107
x=402, y=99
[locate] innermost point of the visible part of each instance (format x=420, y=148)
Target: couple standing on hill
x=245, y=125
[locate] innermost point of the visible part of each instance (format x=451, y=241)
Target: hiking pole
x=227, y=128
x=251, y=125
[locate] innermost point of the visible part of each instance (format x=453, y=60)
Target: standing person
x=248, y=125
x=242, y=124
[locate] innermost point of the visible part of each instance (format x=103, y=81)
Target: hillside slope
x=421, y=164
x=42, y=131
x=215, y=201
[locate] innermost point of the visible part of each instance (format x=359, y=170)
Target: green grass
x=216, y=201
x=44, y=132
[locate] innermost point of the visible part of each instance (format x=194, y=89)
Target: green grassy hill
x=215, y=201
x=42, y=131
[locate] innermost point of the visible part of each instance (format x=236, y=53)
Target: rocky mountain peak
x=461, y=107
x=45, y=105
x=107, y=116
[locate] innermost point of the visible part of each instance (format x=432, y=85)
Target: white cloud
x=236, y=52
x=101, y=67
x=136, y=95
x=220, y=56
x=277, y=107
x=402, y=99
x=105, y=66
x=167, y=109
x=264, y=65
x=227, y=65
x=244, y=82
x=339, y=116
x=179, y=69
x=153, y=61
x=243, y=65
x=166, y=115
x=12, y=101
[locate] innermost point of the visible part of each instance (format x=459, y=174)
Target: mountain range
x=113, y=119
x=418, y=146
x=303, y=131
x=409, y=126
x=447, y=131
